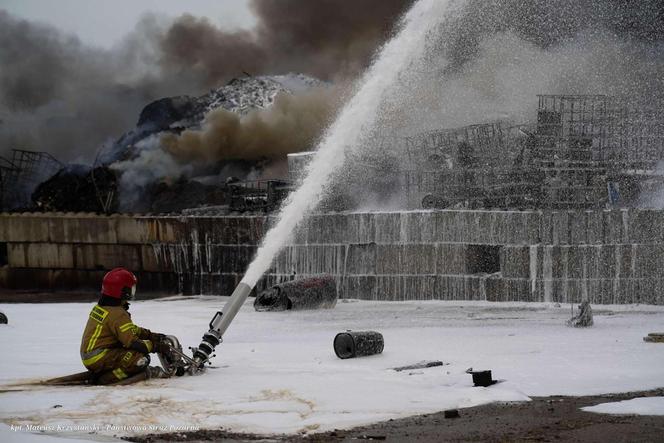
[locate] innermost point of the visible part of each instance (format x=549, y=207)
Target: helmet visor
x=132, y=294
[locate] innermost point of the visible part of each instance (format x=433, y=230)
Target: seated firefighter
x=113, y=348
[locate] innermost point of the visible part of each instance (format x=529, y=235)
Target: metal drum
x=351, y=344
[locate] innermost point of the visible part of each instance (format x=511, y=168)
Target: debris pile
x=20, y=175
x=580, y=152
x=78, y=188
x=175, y=114
x=137, y=174
x=165, y=197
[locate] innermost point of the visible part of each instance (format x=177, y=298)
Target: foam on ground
x=276, y=372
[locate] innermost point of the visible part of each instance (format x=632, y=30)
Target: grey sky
x=105, y=22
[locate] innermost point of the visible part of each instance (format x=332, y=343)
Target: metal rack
x=582, y=151
x=22, y=174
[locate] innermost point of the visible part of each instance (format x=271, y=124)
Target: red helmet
x=119, y=283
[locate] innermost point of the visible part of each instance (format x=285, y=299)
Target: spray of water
x=360, y=114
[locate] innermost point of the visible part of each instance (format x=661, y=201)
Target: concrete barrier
x=608, y=256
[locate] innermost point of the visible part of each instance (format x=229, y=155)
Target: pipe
x=219, y=324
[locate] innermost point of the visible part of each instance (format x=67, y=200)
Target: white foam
x=358, y=117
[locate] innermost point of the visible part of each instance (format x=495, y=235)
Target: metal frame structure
x=23, y=173
x=575, y=155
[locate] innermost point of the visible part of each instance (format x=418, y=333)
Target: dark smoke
x=489, y=61
x=322, y=38
x=547, y=23
x=60, y=96
x=291, y=124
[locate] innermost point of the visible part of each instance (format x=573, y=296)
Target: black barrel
x=351, y=344
x=308, y=293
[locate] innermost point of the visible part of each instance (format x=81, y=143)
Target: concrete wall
x=607, y=256
x=72, y=251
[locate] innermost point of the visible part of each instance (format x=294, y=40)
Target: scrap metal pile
x=93, y=190
x=36, y=181
x=21, y=174
x=583, y=151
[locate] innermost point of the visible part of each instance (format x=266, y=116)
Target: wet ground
x=543, y=419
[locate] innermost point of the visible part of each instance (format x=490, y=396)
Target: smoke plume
x=485, y=63
x=326, y=39
x=60, y=96
x=491, y=60
x=291, y=124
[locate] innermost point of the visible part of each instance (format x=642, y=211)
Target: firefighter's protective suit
x=113, y=348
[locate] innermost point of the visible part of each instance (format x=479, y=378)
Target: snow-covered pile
x=174, y=114
x=277, y=372
x=244, y=94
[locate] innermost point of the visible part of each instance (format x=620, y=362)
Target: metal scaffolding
x=582, y=151
x=22, y=174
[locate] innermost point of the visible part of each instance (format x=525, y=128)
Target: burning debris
x=244, y=129
x=173, y=115
x=78, y=188
x=151, y=169
x=20, y=175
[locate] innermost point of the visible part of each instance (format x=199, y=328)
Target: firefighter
x=113, y=348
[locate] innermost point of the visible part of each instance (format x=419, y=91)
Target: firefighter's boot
x=156, y=372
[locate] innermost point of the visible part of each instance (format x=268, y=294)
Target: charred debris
x=578, y=152
x=37, y=181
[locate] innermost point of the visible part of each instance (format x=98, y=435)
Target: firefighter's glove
x=162, y=347
x=156, y=337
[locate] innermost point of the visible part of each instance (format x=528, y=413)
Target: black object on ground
x=352, y=344
x=585, y=317
x=451, y=413
x=420, y=365
x=307, y=293
x=3, y=319
x=654, y=337
x=482, y=378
